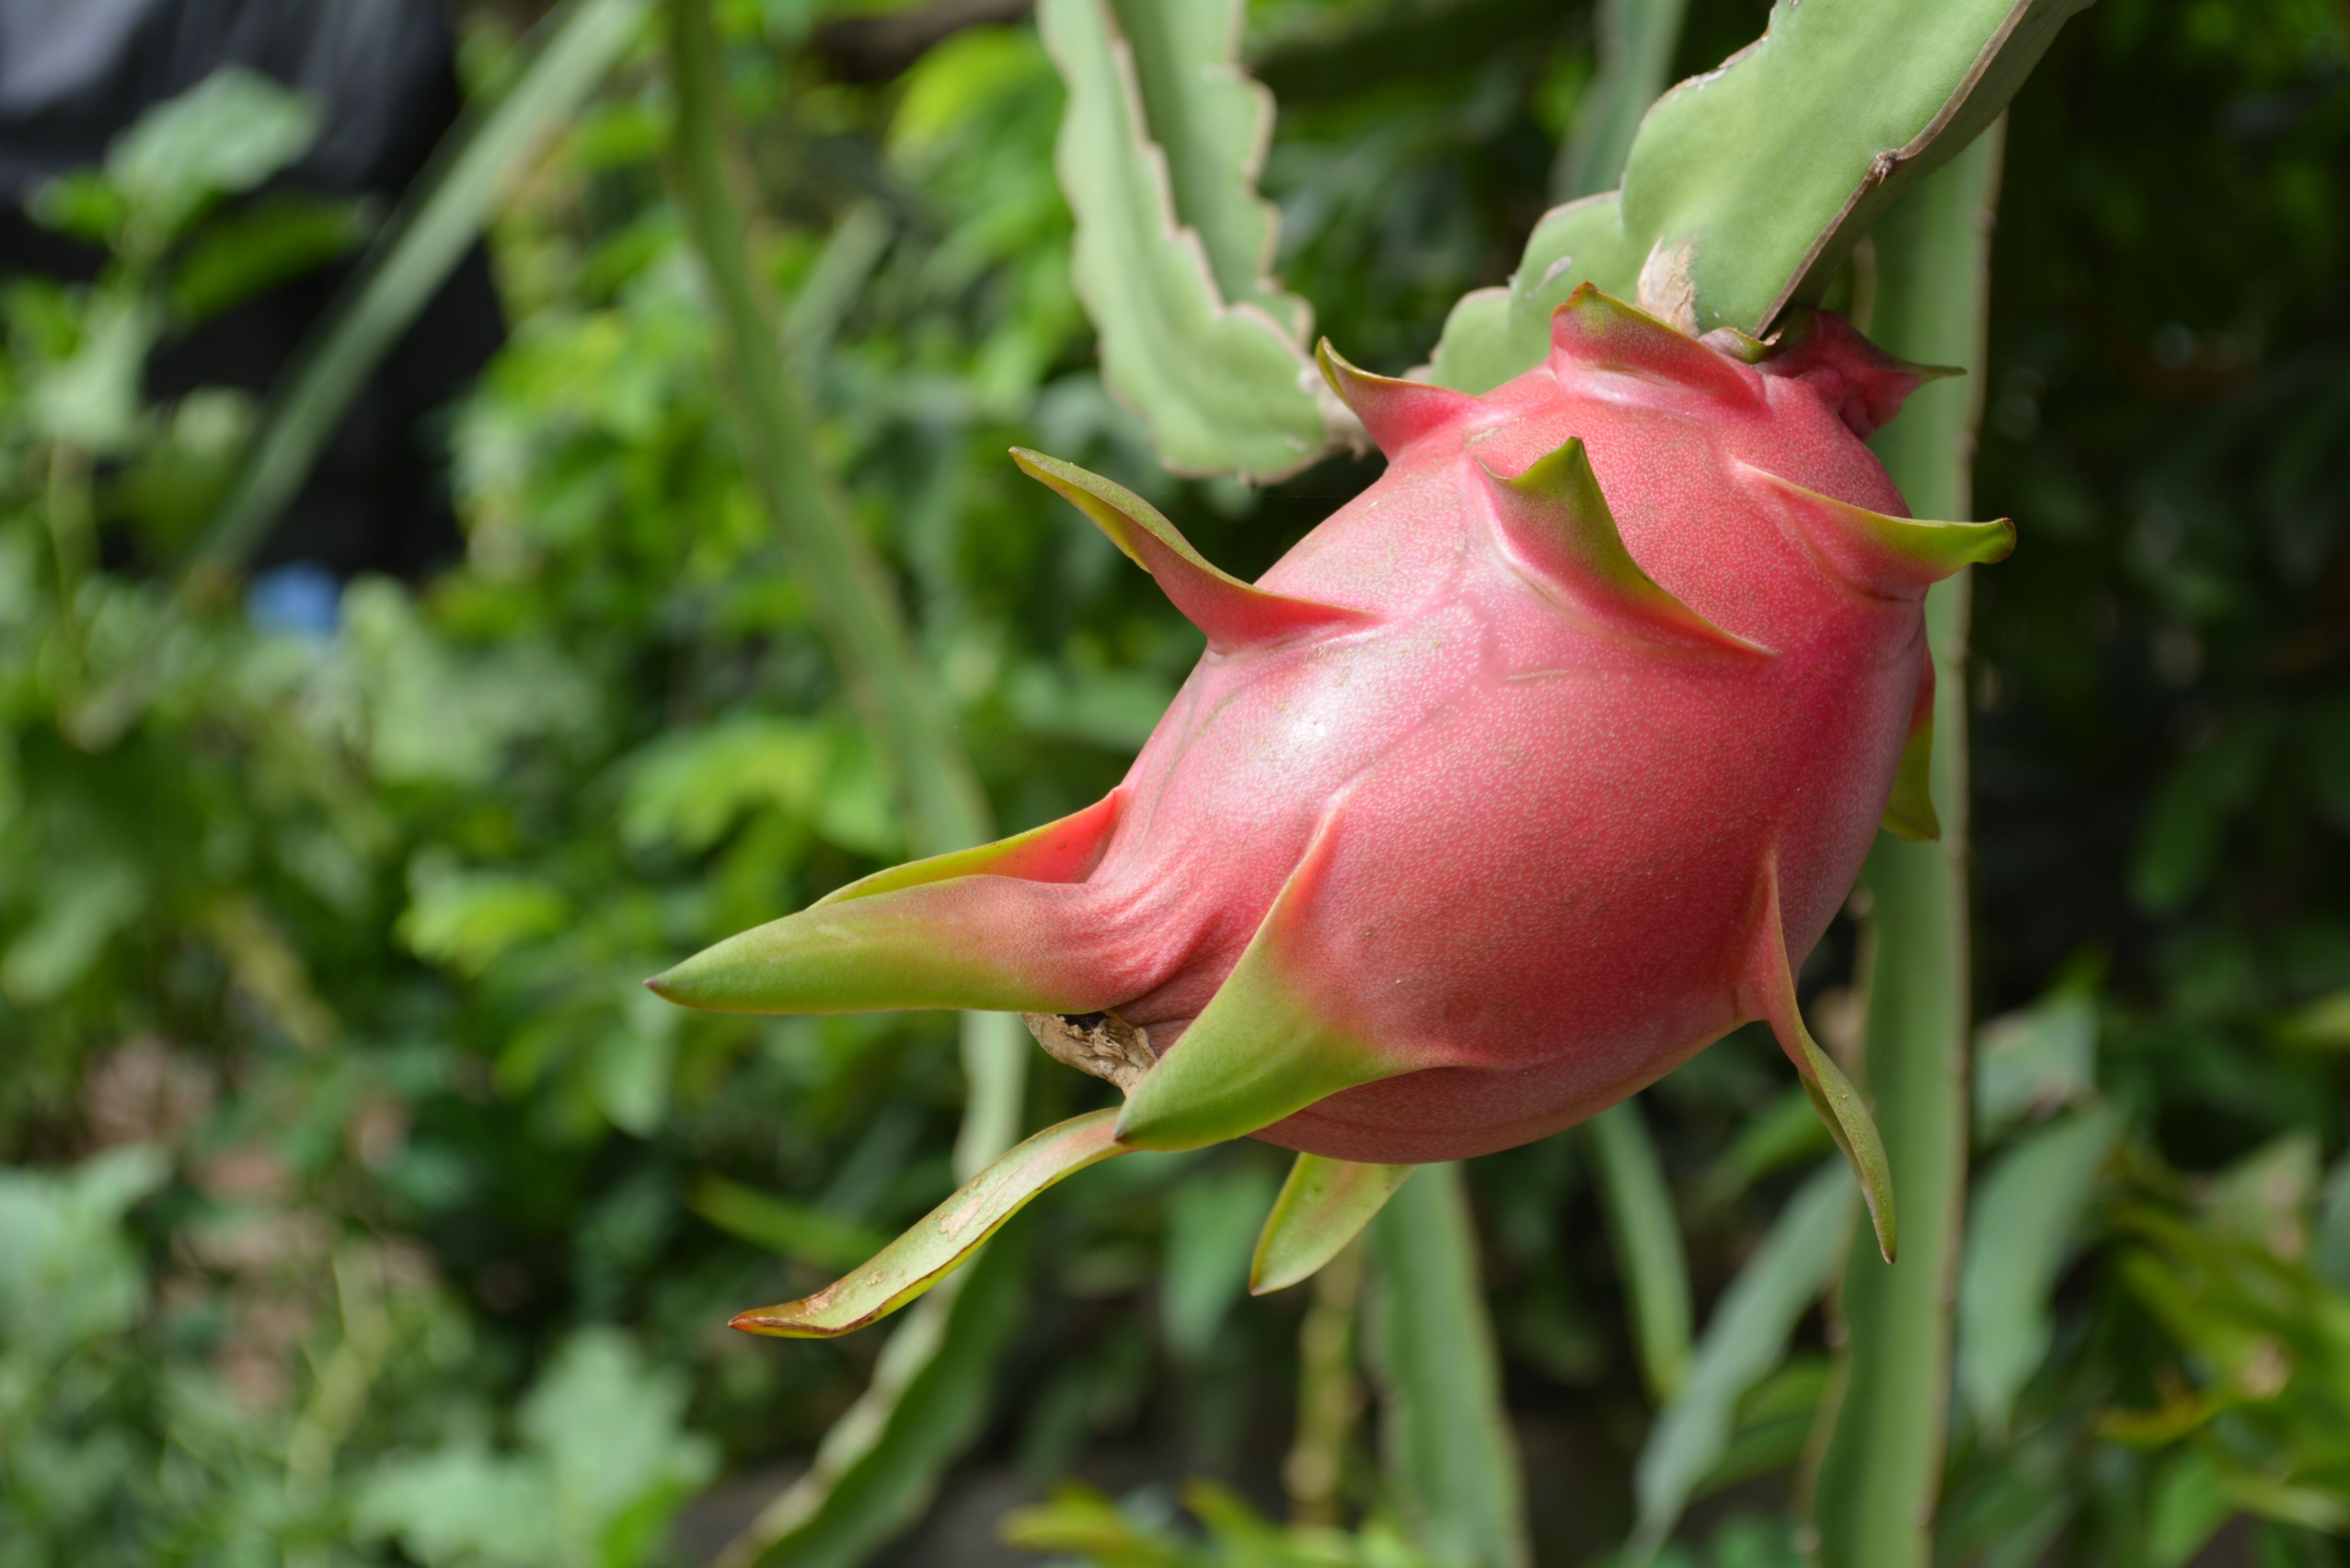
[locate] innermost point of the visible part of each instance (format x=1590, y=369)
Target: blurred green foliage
x=360, y=1206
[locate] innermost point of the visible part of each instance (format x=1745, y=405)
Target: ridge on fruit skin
x=1537, y=767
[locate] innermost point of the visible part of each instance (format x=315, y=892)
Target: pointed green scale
x=1556, y=522
x=943, y=1240
x=1768, y=991
x=1324, y=1204
x=1909, y=813
x=1884, y=556
x=1257, y=1052
x=1601, y=330
x=1395, y=413
x=1063, y=850
x=1235, y=615
x=972, y=930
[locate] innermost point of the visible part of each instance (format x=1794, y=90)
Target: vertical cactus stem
x=1233, y=614
x=1555, y=522
x=1768, y=991
x=1394, y=413
x=1602, y=332
x=1323, y=1205
x=943, y=1240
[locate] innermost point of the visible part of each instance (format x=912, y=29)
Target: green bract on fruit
x=1540, y=765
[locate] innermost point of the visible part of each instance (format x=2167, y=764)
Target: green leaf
x=1209, y=1217
x=795, y=1230
x=1744, y=1339
x=1645, y=1234
x=437, y=222
x=1451, y=1458
x=242, y=253
x=2037, y=1060
x=2019, y=1234
x=1322, y=1205
x=1880, y=1477
x=1747, y=187
x=1158, y=154
x=945, y=1239
x=226, y=134
x=466, y=919
x=1213, y=124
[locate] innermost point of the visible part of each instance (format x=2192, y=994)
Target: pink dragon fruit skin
x=1536, y=768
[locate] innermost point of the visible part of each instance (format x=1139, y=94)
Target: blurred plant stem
x=855, y=611
x=849, y=592
x=1646, y=1235
x=1451, y=1458
x=71, y=538
x=339, y=1396
x=1329, y=1395
x=1880, y=1475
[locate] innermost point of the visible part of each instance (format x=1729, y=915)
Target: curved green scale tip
x=1769, y=990
x=1909, y=813
x=1324, y=1204
x=1258, y=1052
x=1234, y=614
x=1885, y=556
x=987, y=928
x=943, y=1240
x=1395, y=413
x=1554, y=516
x=1599, y=329
x=1065, y=850
x=986, y=944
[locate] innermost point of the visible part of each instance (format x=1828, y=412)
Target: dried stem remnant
x=1100, y=1044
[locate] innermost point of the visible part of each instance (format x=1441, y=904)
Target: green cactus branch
x=1158, y=152
x=1636, y=39
x=1748, y=186
x=1881, y=1474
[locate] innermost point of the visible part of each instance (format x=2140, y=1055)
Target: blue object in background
x=301, y=598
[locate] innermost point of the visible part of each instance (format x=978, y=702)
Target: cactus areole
x=1537, y=767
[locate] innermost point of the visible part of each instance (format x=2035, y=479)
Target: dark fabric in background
x=75, y=73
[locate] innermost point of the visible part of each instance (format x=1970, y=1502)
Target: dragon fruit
x=1537, y=767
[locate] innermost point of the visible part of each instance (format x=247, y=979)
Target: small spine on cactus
x=1235, y=616
x=1556, y=524
x=1394, y=413
x=1599, y=331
